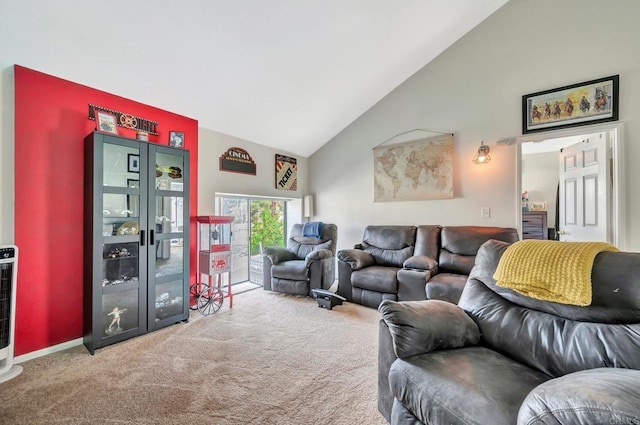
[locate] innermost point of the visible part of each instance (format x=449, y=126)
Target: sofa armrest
x=278, y=254
x=318, y=254
x=589, y=397
x=386, y=357
x=421, y=262
x=356, y=258
x=419, y=327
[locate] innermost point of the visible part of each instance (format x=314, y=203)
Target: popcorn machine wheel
x=214, y=265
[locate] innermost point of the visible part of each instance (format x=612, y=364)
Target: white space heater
x=8, y=278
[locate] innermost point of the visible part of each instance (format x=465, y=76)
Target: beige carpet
x=272, y=359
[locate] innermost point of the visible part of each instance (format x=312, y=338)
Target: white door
x=585, y=191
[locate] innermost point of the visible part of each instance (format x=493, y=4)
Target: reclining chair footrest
x=326, y=298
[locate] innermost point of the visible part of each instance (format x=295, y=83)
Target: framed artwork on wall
x=286, y=172
x=176, y=139
x=133, y=163
x=406, y=178
x=237, y=160
x=584, y=103
x=106, y=122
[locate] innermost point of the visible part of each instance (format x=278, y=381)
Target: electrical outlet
x=485, y=212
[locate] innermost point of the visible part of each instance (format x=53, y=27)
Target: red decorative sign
x=127, y=120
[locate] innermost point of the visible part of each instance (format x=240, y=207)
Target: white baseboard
x=49, y=350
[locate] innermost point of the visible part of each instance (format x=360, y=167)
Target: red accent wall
x=50, y=126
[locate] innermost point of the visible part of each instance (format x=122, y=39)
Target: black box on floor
x=327, y=299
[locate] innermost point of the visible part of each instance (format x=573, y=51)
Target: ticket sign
x=286, y=173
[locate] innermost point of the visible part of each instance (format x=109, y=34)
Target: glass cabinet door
x=120, y=165
x=121, y=189
x=168, y=257
x=120, y=313
x=119, y=204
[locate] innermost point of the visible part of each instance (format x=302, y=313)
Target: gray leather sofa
x=306, y=263
x=407, y=263
x=501, y=358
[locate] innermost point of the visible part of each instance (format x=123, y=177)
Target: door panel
x=570, y=202
x=257, y=223
x=168, y=254
x=590, y=200
x=584, y=199
x=238, y=208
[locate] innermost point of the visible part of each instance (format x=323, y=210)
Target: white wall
x=540, y=175
x=211, y=145
x=7, y=155
x=474, y=89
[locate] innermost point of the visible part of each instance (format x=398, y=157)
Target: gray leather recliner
x=501, y=358
x=306, y=263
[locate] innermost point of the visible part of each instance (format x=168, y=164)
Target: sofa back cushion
x=461, y=243
x=428, y=241
x=303, y=245
x=389, y=245
x=556, y=338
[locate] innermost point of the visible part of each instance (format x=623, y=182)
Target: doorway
x=258, y=222
x=539, y=162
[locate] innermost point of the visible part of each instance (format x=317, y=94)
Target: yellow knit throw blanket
x=550, y=270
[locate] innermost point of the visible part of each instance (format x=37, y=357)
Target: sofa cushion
x=389, y=257
x=308, y=240
x=303, y=249
x=418, y=327
x=356, y=258
x=297, y=239
x=583, y=337
x=469, y=385
x=461, y=243
x=292, y=270
x=445, y=287
x=597, y=396
x=389, y=237
x=376, y=278
x=389, y=245
x=370, y=298
x=428, y=241
x=614, y=277
x=401, y=415
x=295, y=287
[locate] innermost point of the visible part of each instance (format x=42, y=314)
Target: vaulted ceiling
x=289, y=74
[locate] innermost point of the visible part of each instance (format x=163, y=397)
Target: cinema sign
x=237, y=160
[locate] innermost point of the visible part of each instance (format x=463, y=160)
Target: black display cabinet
x=136, y=238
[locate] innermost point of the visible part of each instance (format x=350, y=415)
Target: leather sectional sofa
x=405, y=263
x=502, y=358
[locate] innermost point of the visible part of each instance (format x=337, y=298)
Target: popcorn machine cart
x=214, y=261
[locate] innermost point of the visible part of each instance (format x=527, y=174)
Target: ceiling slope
x=289, y=74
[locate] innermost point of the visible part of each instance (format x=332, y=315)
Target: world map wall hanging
x=414, y=171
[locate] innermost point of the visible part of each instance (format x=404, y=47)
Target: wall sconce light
x=308, y=206
x=482, y=156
